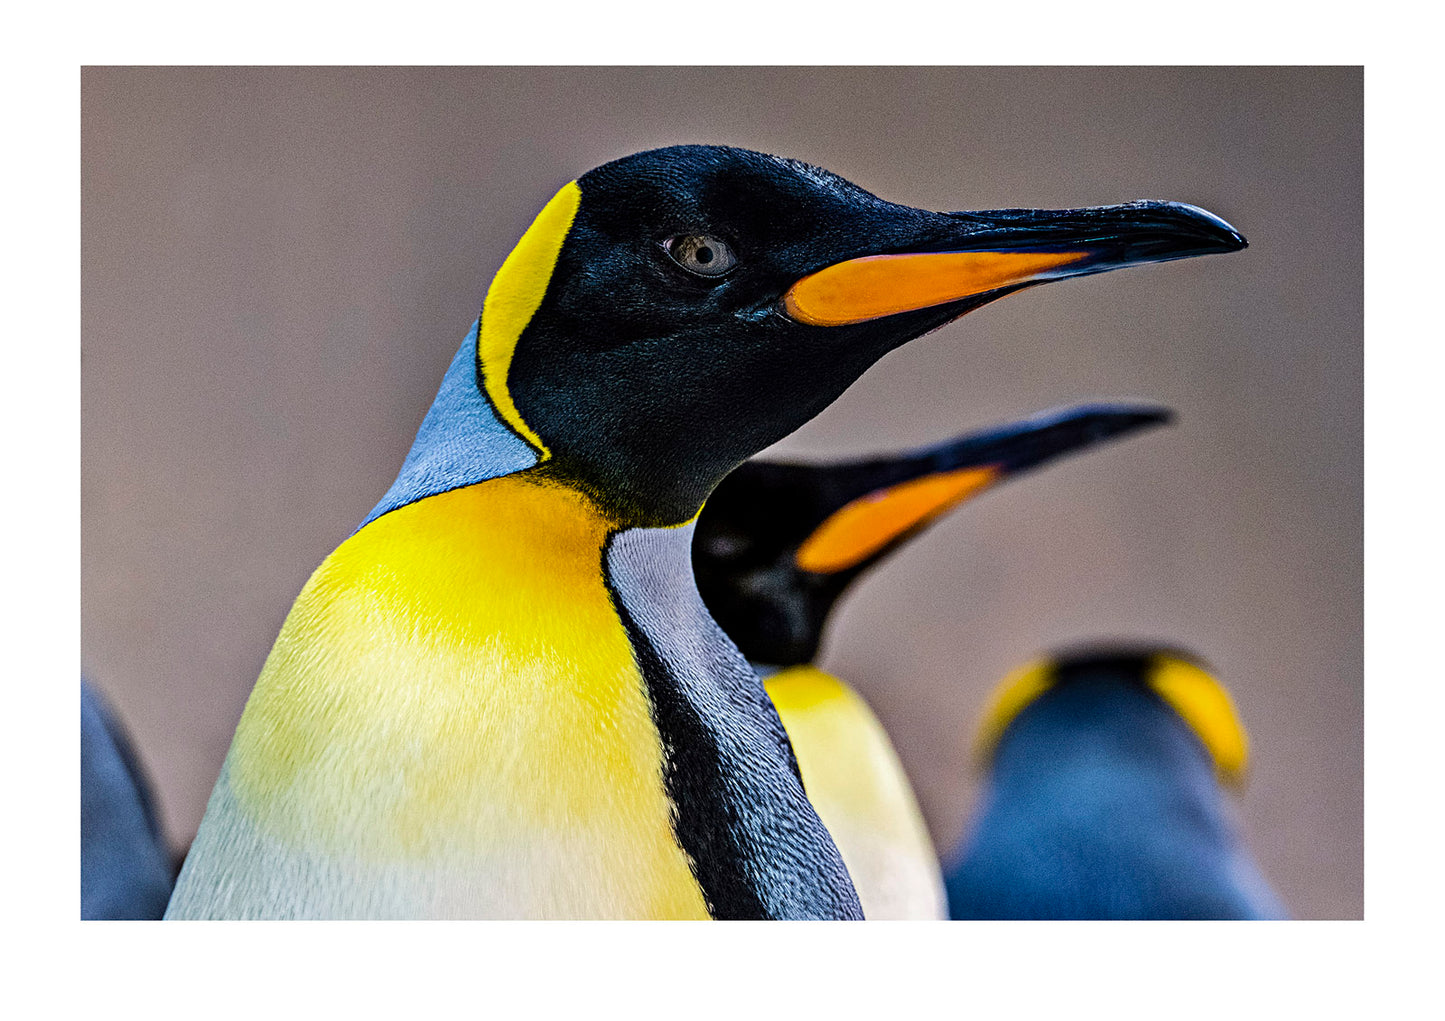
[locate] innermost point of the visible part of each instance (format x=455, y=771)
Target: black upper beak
x=1187, y=229
x=1131, y=233
x=1020, y=446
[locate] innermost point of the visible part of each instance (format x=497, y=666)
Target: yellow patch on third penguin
x=1015, y=693
x=1204, y=704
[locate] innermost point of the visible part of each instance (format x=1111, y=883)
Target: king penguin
x=501, y=696
x=1107, y=796
x=777, y=545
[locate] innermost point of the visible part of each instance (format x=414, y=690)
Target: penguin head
x=673, y=312
x=777, y=544
x=1180, y=680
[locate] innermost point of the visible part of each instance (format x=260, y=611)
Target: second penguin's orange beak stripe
x=883, y=285
x=861, y=528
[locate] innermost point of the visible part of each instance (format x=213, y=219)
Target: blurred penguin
x=125, y=870
x=1107, y=795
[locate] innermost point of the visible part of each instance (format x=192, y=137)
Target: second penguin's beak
x=878, y=503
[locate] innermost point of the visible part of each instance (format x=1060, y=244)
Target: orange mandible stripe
x=883, y=285
x=863, y=527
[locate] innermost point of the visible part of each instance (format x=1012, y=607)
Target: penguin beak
x=972, y=255
x=877, y=504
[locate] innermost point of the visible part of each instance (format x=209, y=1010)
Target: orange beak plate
x=883, y=285
x=861, y=528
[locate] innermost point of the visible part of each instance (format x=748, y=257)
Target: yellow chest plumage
x=454, y=697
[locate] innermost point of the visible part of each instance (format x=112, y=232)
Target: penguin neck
x=461, y=441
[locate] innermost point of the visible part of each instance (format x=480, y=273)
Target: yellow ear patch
x=1203, y=703
x=861, y=528
x=1015, y=693
x=514, y=297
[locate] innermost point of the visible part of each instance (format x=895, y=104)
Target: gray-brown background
x=278, y=265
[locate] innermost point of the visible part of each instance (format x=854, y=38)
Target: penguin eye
x=701, y=254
